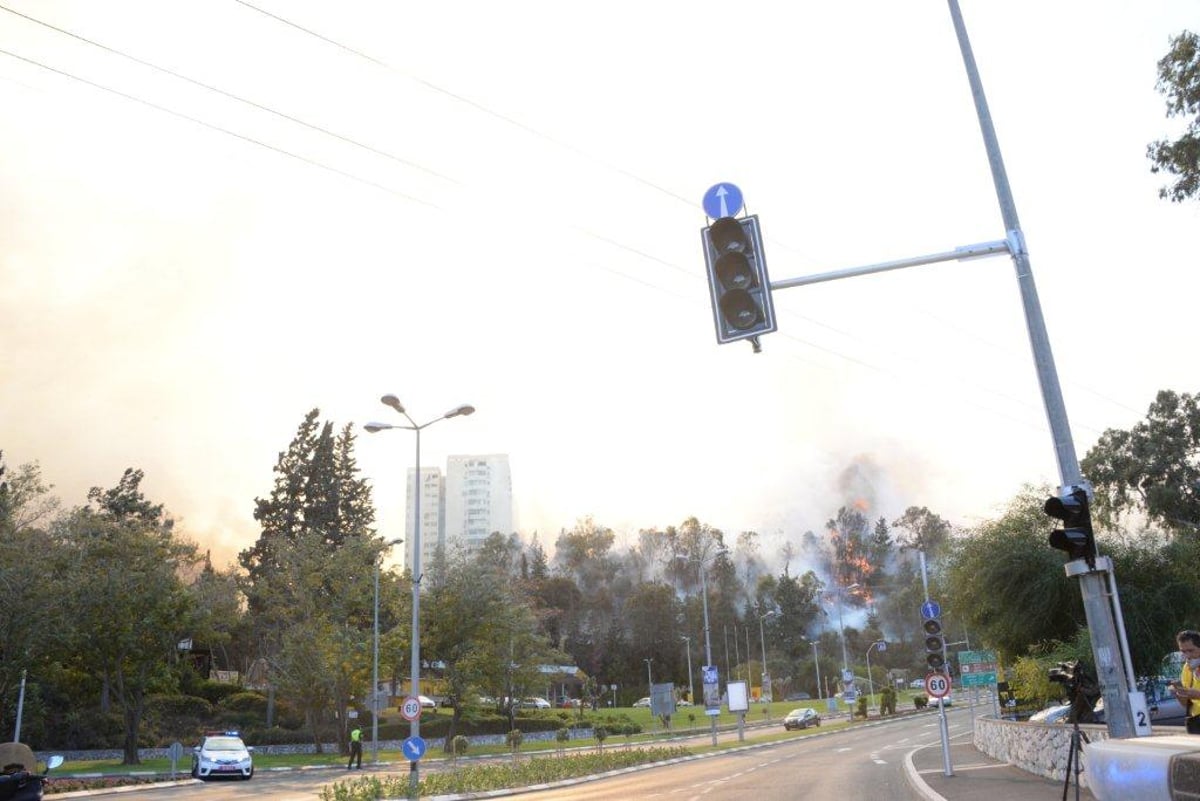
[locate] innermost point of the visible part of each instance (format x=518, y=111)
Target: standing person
x=355, y=748
x=1187, y=689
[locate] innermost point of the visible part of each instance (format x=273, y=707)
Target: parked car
x=916, y=684
x=683, y=702
x=802, y=718
x=222, y=753
x=427, y=702
x=1051, y=714
x=935, y=702
x=642, y=702
x=534, y=702
x=570, y=703
x=798, y=697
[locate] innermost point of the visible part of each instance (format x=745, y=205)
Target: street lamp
x=375, y=665
x=766, y=675
x=882, y=645
x=415, y=667
x=841, y=626
x=704, y=560
x=691, y=685
x=817, y=667
x=649, y=680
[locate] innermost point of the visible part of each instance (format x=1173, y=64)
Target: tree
x=922, y=530
x=1153, y=468
x=1008, y=585
x=480, y=628
x=317, y=490
x=1179, y=82
x=128, y=600
x=31, y=589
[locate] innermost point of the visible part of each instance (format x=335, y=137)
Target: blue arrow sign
x=413, y=748
x=722, y=200
x=930, y=610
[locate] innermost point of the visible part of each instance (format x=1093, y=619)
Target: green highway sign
x=977, y=668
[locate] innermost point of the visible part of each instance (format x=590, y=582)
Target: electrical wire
x=227, y=131
x=230, y=95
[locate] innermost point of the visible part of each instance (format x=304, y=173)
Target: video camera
x=1080, y=687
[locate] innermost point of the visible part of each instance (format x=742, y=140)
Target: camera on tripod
x=1080, y=688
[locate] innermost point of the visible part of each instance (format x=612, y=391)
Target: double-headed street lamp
x=415, y=667
x=375, y=664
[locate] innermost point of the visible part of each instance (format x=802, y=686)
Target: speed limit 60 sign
x=410, y=709
x=937, y=685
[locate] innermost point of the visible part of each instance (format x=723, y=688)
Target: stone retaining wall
x=1039, y=748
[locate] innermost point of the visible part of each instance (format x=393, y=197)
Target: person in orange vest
x=355, y=748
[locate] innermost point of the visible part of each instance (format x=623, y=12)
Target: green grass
x=651, y=730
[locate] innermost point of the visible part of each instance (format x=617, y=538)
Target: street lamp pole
x=870, y=682
x=691, y=684
x=707, y=638
x=841, y=625
x=415, y=662
x=762, y=641
x=817, y=666
x=375, y=666
x=649, y=679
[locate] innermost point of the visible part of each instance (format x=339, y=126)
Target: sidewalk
x=978, y=777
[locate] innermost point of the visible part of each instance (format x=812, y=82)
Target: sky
x=217, y=216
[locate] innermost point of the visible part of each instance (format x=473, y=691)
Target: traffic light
x=737, y=280
x=935, y=644
x=1076, y=536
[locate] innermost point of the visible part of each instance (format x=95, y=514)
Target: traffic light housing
x=935, y=644
x=1076, y=537
x=737, y=280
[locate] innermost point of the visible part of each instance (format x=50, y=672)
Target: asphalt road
x=865, y=761
x=862, y=762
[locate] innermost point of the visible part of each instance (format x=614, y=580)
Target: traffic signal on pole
x=737, y=280
x=1076, y=536
x=935, y=644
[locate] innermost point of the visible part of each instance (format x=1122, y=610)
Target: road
x=865, y=761
x=861, y=762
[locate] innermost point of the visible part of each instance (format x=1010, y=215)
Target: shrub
x=459, y=746
x=601, y=734
x=860, y=708
x=245, y=702
x=175, y=717
x=920, y=701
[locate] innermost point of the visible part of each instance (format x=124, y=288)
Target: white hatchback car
x=222, y=754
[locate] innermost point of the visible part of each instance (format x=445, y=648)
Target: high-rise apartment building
x=433, y=515
x=478, y=499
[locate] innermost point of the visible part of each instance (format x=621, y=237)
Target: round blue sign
x=722, y=200
x=930, y=610
x=413, y=748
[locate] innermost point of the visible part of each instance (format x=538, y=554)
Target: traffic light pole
x=1110, y=651
x=1125, y=707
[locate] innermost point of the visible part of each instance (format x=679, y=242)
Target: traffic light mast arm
x=961, y=253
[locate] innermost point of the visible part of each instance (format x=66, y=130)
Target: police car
x=222, y=753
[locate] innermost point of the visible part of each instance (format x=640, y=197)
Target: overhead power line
x=227, y=131
x=231, y=96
